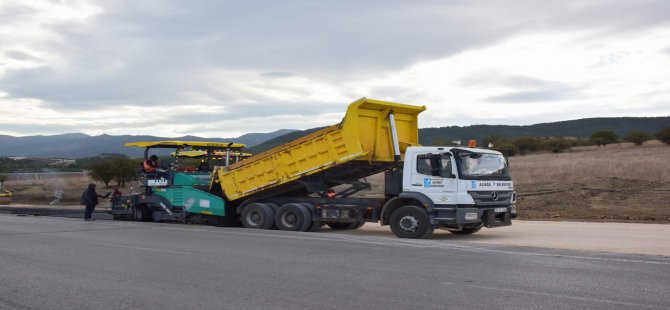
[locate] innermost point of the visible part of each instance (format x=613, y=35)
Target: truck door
x=433, y=176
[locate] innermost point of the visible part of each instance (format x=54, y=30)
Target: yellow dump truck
x=309, y=182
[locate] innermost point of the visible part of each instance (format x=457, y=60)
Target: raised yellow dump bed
x=359, y=146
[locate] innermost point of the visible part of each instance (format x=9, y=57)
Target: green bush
x=556, y=145
x=664, y=135
x=637, y=137
x=118, y=168
x=528, y=144
x=604, y=137
x=508, y=149
x=125, y=170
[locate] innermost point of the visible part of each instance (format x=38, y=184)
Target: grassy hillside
x=574, y=128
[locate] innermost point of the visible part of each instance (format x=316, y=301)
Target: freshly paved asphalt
x=66, y=263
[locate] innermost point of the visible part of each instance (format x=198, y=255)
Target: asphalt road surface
x=65, y=263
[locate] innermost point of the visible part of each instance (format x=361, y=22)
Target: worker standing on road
x=89, y=198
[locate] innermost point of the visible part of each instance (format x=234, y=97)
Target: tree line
x=525, y=145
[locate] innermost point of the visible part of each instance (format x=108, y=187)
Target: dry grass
x=58, y=189
x=648, y=162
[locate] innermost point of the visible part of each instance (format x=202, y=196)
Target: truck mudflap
x=488, y=217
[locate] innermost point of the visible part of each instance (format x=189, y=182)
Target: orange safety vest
x=148, y=167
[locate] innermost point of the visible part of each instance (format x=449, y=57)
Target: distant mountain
x=573, y=128
x=77, y=145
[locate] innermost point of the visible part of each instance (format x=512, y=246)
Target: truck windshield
x=483, y=166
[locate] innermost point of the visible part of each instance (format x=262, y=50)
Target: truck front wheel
x=411, y=222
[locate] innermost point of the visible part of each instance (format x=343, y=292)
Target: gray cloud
x=278, y=74
x=487, y=79
x=153, y=54
x=149, y=51
x=19, y=55
x=529, y=89
x=535, y=96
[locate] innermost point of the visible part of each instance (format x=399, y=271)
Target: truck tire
x=258, y=215
x=411, y=222
x=293, y=217
x=274, y=207
x=465, y=230
x=316, y=225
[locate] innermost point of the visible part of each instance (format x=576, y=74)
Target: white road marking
x=624, y=303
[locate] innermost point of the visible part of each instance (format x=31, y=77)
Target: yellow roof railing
x=183, y=144
x=215, y=154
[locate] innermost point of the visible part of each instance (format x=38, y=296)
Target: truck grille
x=491, y=198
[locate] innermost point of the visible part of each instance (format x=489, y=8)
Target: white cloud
x=540, y=77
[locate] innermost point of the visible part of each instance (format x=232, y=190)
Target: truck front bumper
x=488, y=217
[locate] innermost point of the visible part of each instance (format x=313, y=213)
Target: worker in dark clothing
x=89, y=198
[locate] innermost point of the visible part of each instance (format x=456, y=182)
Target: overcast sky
x=224, y=68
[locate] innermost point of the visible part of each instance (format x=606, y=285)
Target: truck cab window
x=423, y=164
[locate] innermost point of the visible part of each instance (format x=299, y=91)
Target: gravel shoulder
x=632, y=238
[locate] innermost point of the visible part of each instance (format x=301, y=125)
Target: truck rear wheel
x=258, y=215
x=411, y=222
x=293, y=217
x=316, y=225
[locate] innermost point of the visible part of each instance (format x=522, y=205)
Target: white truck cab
x=461, y=189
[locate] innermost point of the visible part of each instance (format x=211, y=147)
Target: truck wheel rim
x=409, y=223
x=289, y=219
x=254, y=218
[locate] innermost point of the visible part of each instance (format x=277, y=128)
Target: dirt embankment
x=621, y=182
x=596, y=199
